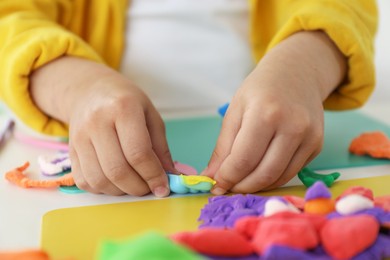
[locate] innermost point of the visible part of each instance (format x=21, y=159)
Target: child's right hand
x=117, y=137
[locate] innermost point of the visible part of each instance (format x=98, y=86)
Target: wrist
x=58, y=85
x=307, y=58
x=328, y=63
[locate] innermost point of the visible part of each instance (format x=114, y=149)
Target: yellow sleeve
x=351, y=24
x=30, y=37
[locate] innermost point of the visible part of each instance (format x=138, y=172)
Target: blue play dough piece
x=222, y=109
x=70, y=189
x=177, y=185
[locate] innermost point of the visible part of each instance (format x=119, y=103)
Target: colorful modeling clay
x=318, y=199
x=236, y=227
x=272, y=231
x=276, y=205
x=60, y=163
x=357, y=190
x=223, y=211
x=54, y=164
x=383, y=202
x=222, y=109
x=309, y=177
x=70, y=189
x=150, y=245
x=24, y=255
x=177, y=183
x=53, y=145
x=317, y=191
x=327, y=235
x=185, y=168
x=360, y=231
x=18, y=177
x=375, y=144
x=298, y=202
x=353, y=203
x=189, y=184
x=215, y=241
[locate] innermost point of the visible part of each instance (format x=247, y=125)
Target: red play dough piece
x=357, y=190
x=344, y=238
x=215, y=241
x=247, y=225
x=297, y=233
x=316, y=220
x=383, y=202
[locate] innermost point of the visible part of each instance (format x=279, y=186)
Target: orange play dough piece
x=375, y=144
x=24, y=255
x=18, y=177
x=319, y=206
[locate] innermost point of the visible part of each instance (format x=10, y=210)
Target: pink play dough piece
x=185, y=168
x=298, y=202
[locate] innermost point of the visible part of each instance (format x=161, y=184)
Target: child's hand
x=274, y=124
x=117, y=138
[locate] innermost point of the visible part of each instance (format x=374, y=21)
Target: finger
x=230, y=127
x=76, y=171
x=303, y=156
x=159, y=141
x=245, y=155
x=91, y=177
x=274, y=163
x=135, y=141
x=114, y=164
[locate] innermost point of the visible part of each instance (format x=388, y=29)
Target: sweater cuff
x=24, y=54
x=354, y=38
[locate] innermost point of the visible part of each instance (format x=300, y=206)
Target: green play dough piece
x=150, y=245
x=309, y=177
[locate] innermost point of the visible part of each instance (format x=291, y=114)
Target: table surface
x=21, y=210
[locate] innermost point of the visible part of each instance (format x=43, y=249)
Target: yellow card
x=77, y=232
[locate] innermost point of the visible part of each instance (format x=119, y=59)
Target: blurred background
x=382, y=56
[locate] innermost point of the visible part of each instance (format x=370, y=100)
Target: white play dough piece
x=353, y=203
x=273, y=206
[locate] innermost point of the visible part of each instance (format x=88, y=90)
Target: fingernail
x=161, y=191
x=218, y=191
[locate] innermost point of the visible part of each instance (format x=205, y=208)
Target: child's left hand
x=274, y=124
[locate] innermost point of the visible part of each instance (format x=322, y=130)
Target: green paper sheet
x=192, y=140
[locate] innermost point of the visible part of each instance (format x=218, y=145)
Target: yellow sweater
x=34, y=32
